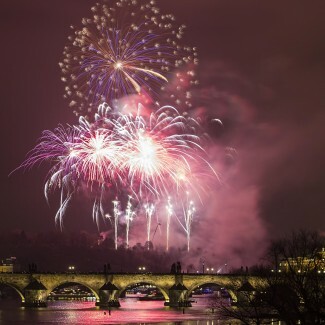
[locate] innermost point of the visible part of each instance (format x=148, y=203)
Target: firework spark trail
x=149, y=210
x=126, y=48
x=98, y=209
x=188, y=214
x=129, y=215
x=116, y=213
x=54, y=146
x=64, y=201
x=170, y=212
x=188, y=217
x=57, y=148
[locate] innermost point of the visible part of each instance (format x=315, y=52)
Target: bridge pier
x=178, y=296
x=107, y=296
x=35, y=295
x=246, y=293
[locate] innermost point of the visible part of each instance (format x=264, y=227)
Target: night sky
x=261, y=71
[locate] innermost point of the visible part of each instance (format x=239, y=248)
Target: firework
x=57, y=147
x=170, y=212
x=116, y=213
x=188, y=214
x=126, y=48
x=149, y=210
x=162, y=152
x=98, y=209
x=148, y=156
x=129, y=215
x=127, y=51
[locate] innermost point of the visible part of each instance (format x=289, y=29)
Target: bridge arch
x=62, y=283
x=21, y=295
x=135, y=284
x=209, y=282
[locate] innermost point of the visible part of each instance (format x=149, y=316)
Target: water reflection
x=132, y=311
x=83, y=312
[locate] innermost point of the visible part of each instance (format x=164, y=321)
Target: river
x=132, y=311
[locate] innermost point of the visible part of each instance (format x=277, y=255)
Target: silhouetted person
x=247, y=269
x=173, y=268
x=178, y=267
x=241, y=269
x=32, y=268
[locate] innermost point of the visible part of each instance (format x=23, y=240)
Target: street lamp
x=142, y=268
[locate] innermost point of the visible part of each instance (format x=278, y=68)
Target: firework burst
x=126, y=48
x=148, y=156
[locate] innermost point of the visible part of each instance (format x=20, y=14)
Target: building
x=304, y=264
x=8, y=265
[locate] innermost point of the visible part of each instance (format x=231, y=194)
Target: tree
x=292, y=284
x=298, y=265
x=250, y=307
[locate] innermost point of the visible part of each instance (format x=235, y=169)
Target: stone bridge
x=107, y=288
